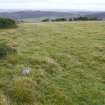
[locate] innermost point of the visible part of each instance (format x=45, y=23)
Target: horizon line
x=62, y=10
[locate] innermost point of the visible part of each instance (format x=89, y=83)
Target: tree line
x=71, y=19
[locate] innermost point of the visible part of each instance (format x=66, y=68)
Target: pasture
x=66, y=62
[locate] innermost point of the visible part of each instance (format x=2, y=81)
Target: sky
x=90, y=5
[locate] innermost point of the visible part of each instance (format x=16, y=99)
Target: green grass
x=67, y=63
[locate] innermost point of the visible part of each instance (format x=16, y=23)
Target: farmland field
x=66, y=62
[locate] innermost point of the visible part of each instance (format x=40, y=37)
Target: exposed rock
x=25, y=72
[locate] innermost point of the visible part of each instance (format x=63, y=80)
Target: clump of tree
x=59, y=19
x=7, y=23
x=45, y=20
x=6, y=50
x=83, y=18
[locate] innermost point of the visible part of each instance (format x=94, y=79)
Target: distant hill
x=100, y=15
x=34, y=14
x=38, y=15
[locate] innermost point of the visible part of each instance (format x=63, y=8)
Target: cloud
x=53, y=4
x=7, y=1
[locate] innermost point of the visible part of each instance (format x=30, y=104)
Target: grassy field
x=67, y=63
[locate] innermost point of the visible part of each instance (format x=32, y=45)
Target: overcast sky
x=54, y=4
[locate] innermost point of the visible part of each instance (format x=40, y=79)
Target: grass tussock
x=6, y=50
x=22, y=90
x=3, y=100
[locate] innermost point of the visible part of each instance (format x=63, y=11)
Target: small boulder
x=25, y=72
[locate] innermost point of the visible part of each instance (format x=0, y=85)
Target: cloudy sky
x=54, y=4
